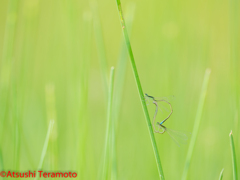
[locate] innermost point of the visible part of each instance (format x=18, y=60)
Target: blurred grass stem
x=234, y=159
x=45, y=146
x=197, y=123
x=108, y=129
x=221, y=174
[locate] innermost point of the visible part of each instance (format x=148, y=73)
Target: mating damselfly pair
x=177, y=136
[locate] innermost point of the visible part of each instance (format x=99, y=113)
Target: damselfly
x=178, y=137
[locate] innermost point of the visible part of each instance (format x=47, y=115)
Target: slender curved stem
x=197, y=123
x=108, y=129
x=221, y=174
x=140, y=91
x=45, y=147
x=234, y=159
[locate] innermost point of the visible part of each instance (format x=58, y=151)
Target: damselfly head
x=147, y=98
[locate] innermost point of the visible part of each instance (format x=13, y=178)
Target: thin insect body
x=156, y=111
x=177, y=136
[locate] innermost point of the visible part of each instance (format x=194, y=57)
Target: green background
x=55, y=62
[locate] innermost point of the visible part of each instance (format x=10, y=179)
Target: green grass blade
x=234, y=158
x=9, y=37
x=234, y=24
x=14, y=100
x=149, y=124
x=84, y=86
x=45, y=146
x=118, y=88
x=108, y=129
x=5, y=79
x=221, y=174
x=122, y=64
x=100, y=46
x=113, y=151
x=51, y=115
x=1, y=161
x=197, y=123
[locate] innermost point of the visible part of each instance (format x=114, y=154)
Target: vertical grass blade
x=122, y=64
x=5, y=78
x=197, y=123
x=9, y=37
x=1, y=162
x=113, y=151
x=100, y=46
x=45, y=146
x=108, y=129
x=84, y=85
x=51, y=116
x=234, y=20
x=118, y=88
x=234, y=158
x=140, y=91
x=14, y=101
x=221, y=174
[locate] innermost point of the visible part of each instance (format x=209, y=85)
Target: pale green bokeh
x=54, y=42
